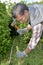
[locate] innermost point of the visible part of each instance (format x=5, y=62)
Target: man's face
x=23, y=18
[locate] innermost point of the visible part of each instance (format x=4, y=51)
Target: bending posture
x=34, y=15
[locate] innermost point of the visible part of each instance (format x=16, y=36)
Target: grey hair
x=19, y=9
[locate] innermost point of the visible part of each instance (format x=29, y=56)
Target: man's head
x=20, y=12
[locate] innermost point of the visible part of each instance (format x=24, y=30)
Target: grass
x=34, y=58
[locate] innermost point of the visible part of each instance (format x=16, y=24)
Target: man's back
x=36, y=13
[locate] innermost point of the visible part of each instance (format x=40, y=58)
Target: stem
x=17, y=51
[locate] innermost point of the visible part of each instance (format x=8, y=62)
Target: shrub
x=5, y=39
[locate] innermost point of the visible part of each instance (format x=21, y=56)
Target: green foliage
x=5, y=40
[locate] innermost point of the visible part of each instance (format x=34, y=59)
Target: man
x=34, y=15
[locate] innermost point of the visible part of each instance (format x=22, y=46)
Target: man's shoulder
x=33, y=6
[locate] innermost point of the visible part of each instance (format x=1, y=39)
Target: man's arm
x=37, y=31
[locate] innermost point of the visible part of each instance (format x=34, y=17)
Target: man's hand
x=22, y=31
x=13, y=23
x=20, y=54
x=29, y=27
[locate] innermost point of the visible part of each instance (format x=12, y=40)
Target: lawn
x=34, y=58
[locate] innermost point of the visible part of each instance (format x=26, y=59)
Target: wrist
x=28, y=27
x=25, y=53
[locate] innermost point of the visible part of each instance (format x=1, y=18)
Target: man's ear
x=25, y=12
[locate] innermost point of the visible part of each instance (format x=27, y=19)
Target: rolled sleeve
x=37, y=31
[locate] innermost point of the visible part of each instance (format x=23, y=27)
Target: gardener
x=34, y=15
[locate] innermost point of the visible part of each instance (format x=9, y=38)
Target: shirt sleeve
x=37, y=31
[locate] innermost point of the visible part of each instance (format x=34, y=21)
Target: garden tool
x=13, y=30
